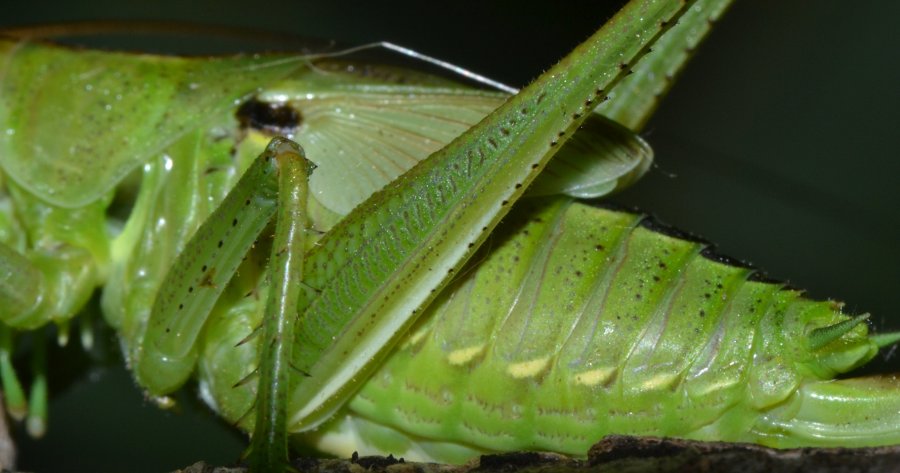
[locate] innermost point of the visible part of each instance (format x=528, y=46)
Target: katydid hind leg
x=386, y=260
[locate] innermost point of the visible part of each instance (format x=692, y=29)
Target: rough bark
x=625, y=454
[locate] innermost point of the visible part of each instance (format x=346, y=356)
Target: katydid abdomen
x=638, y=331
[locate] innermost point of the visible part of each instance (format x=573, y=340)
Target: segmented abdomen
x=584, y=321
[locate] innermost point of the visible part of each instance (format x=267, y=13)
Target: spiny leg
x=269, y=448
x=275, y=183
x=28, y=299
x=201, y=272
x=51, y=261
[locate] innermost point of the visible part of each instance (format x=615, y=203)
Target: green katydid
x=78, y=186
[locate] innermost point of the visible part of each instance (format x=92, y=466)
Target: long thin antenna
x=473, y=76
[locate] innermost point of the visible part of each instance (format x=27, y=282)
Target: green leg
x=269, y=449
x=276, y=181
x=14, y=395
x=21, y=294
x=50, y=263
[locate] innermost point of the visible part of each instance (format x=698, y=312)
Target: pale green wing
x=364, y=135
x=75, y=122
x=365, y=130
x=601, y=158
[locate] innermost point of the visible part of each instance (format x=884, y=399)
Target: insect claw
x=86, y=331
x=163, y=402
x=62, y=333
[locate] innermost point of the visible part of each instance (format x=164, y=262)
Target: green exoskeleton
x=569, y=321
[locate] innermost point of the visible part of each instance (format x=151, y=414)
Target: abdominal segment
x=581, y=321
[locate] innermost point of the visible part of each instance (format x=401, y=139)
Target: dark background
x=779, y=143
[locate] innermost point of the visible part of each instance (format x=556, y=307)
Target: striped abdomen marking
x=584, y=321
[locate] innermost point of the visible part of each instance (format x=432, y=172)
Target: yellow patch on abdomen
x=528, y=369
x=594, y=377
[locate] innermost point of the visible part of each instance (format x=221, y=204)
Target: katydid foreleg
x=270, y=443
x=274, y=185
x=51, y=261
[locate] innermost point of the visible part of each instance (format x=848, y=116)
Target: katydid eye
x=269, y=118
